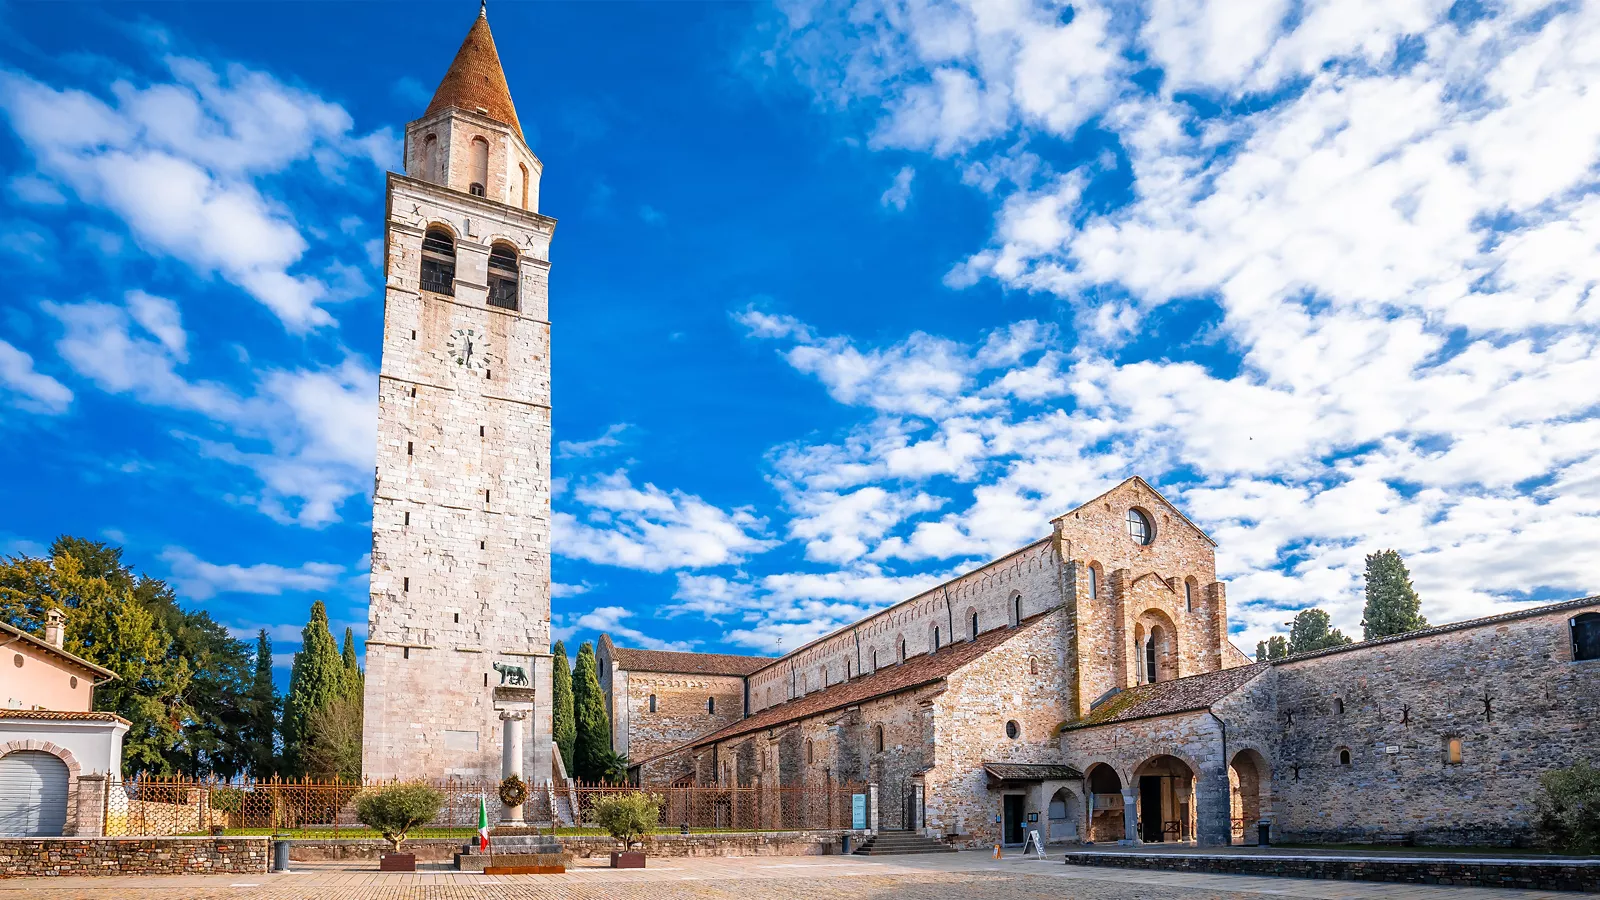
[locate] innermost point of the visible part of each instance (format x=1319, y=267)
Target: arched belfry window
x=439, y=261
x=1586, y=636
x=503, y=275
x=480, y=168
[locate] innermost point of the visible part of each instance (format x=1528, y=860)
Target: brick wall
x=134, y=856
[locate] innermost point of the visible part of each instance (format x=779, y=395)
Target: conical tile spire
x=475, y=80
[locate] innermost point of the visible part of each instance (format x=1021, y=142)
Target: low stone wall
x=134, y=856
x=743, y=843
x=1532, y=874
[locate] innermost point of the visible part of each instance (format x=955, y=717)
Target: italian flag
x=483, y=826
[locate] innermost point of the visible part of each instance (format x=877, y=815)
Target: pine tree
x=316, y=680
x=592, y=751
x=1392, y=603
x=117, y=632
x=565, y=727
x=262, y=730
x=1310, y=631
x=1274, y=647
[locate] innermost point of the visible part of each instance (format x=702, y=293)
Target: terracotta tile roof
x=475, y=80
x=687, y=663
x=53, y=650
x=61, y=715
x=1563, y=606
x=914, y=672
x=1030, y=771
x=1167, y=697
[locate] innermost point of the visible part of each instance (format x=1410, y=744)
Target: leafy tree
x=1392, y=603
x=332, y=745
x=592, y=749
x=565, y=727
x=398, y=809
x=627, y=818
x=316, y=679
x=1567, y=809
x=261, y=729
x=1312, y=630
x=1274, y=647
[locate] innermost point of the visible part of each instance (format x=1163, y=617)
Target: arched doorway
x=1166, y=800
x=1105, y=804
x=1063, y=814
x=33, y=794
x=1249, y=793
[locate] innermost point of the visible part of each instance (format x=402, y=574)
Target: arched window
x=1338, y=706
x=1016, y=610
x=524, y=184
x=711, y=705
x=1150, y=656
x=1452, y=752
x=974, y=626
x=1139, y=527
x=1344, y=756
x=480, y=168
x=503, y=275
x=439, y=261
x=811, y=752
x=1094, y=582
x=652, y=702
x=430, y=158
x=1188, y=596
x=902, y=649
x=1033, y=665
x=936, y=639
x=1586, y=636
x=874, y=659
x=878, y=734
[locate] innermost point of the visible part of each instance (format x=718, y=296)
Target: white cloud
x=29, y=389
x=314, y=427
x=899, y=193
x=610, y=619
x=1398, y=230
x=610, y=439
x=197, y=579
x=652, y=529
x=182, y=164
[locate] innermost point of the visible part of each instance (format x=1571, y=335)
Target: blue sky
x=846, y=297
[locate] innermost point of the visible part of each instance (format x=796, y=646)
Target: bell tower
x=458, y=640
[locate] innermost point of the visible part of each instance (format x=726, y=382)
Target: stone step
x=897, y=843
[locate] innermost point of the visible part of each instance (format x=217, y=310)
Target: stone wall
x=751, y=843
x=1510, y=692
x=1542, y=875
x=1024, y=680
x=134, y=856
x=681, y=712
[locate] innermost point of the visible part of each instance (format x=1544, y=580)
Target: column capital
x=513, y=715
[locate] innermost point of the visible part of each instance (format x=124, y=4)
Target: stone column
x=511, y=758
x=91, y=806
x=1130, y=815
x=872, y=808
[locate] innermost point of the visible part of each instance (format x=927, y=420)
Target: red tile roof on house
x=475, y=81
x=1165, y=698
x=687, y=663
x=917, y=671
x=61, y=715
x=42, y=644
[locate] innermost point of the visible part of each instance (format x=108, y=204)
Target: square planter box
x=397, y=862
x=628, y=860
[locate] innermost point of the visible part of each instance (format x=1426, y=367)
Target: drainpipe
x=949, y=613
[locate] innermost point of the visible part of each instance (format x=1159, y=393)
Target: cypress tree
x=355, y=682
x=316, y=680
x=565, y=727
x=1392, y=603
x=1311, y=631
x=592, y=750
x=262, y=727
x=1274, y=647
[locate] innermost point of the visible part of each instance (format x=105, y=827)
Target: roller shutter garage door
x=33, y=794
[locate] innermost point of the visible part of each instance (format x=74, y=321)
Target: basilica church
x=1083, y=685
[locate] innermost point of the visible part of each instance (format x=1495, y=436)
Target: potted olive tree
x=627, y=818
x=394, y=811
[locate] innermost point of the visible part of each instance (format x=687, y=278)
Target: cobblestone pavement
x=955, y=876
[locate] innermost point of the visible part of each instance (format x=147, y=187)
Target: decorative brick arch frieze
x=74, y=769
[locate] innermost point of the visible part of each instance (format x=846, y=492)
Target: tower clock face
x=466, y=349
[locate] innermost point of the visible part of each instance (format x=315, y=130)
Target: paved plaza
x=956, y=876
